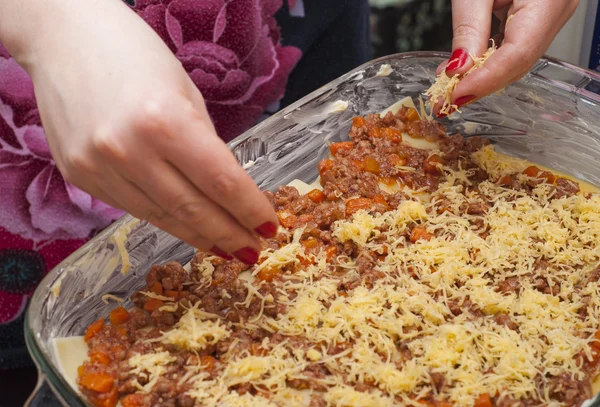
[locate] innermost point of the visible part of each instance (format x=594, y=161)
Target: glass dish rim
x=50, y=374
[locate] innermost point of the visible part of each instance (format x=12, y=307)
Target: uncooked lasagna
x=422, y=269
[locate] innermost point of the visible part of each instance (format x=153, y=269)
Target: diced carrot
x=371, y=165
x=443, y=404
x=135, y=400
x=374, y=132
x=483, y=400
x=392, y=134
x=379, y=199
x=80, y=371
x=550, y=178
x=420, y=233
x=183, y=294
x=171, y=294
x=532, y=171
x=310, y=243
x=359, y=121
x=286, y=219
x=108, y=399
x=316, y=195
x=100, y=357
x=330, y=252
x=93, y=329
x=412, y=115
x=505, y=180
x=305, y=261
x=343, y=145
x=99, y=382
x=595, y=343
x=157, y=288
x=208, y=362
x=390, y=181
x=356, y=204
x=431, y=165
x=325, y=165
x=395, y=160
x=257, y=350
x=119, y=316
x=268, y=274
x=359, y=164
x=153, y=304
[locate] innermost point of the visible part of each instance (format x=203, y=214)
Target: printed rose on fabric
x=23, y=264
x=37, y=203
x=232, y=52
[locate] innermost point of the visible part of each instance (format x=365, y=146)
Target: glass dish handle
x=43, y=395
x=583, y=82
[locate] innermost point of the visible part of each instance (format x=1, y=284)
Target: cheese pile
x=444, y=85
x=402, y=331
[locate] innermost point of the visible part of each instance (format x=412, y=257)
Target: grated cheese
x=107, y=297
x=150, y=366
x=411, y=309
x=444, y=86
x=195, y=331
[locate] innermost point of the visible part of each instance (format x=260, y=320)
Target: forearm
x=24, y=22
x=30, y=29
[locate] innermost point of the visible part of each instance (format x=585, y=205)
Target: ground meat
x=172, y=276
x=566, y=390
x=437, y=381
x=325, y=215
x=429, y=130
x=355, y=170
x=477, y=208
x=510, y=285
x=505, y=320
x=458, y=307
x=565, y=188
x=317, y=401
x=473, y=144
x=285, y=197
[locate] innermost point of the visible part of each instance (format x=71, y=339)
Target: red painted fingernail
x=221, y=253
x=457, y=60
x=248, y=255
x=267, y=229
x=463, y=100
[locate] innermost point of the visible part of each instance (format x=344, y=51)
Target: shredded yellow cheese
x=150, y=366
x=195, y=330
x=444, y=86
x=403, y=329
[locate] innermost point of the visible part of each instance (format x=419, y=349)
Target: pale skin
x=127, y=125
x=528, y=34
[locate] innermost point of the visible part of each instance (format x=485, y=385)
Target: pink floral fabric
x=232, y=52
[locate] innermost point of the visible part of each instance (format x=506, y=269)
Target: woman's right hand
x=126, y=124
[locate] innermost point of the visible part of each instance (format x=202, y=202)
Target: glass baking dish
x=551, y=117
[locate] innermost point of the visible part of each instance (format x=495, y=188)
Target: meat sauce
x=351, y=179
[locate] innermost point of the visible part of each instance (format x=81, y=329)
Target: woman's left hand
x=529, y=28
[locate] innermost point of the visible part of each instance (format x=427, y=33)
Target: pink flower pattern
x=232, y=52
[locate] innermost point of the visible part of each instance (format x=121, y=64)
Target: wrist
x=33, y=29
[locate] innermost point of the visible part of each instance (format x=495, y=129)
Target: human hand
x=529, y=26
x=126, y=124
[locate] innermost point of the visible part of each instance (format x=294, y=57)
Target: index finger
x=471, y=26
x=524, y=43
x=213, y=169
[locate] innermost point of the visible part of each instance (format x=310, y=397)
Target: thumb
x=471, y=22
